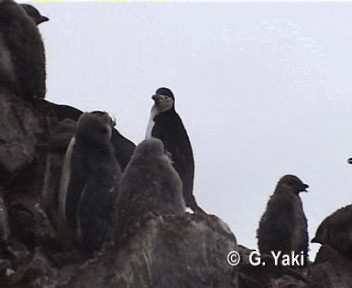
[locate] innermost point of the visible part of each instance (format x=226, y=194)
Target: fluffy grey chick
x=22, y=58
x=149, y=184
x=336, y=230
x=283, y=226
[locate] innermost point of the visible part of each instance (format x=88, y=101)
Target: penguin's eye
x=167, y=98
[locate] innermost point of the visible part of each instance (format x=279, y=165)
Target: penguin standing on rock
x=22, y=58
x=34, y=14
x=166, y=125
x=336, y=231
x=89, y=182
x=149, y=185
x=283, y=226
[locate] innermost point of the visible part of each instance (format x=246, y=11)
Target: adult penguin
x=166, y=125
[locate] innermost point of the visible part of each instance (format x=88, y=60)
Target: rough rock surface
x=23, y=130
x=331, y=268
x=186, y=250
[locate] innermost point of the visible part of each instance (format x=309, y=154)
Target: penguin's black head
x=294, y=183
x=164, y=99
x=165, y=91
x=349, y=161
x=34, y=14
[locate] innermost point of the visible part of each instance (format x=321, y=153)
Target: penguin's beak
x=306, y=186
x=314, y=240
x=349, y=161
x=156, y=97
x=41, y=19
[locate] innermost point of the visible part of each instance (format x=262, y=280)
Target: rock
x=36, y=273
x=268, y=275
x=23, y=132
x=287, y=281
x=185, y=250
x=331, y=269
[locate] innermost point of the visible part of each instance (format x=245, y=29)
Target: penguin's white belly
x=150, y=128
x=65, y=179
x=151, y=123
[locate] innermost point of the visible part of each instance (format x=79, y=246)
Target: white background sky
x=264, y=89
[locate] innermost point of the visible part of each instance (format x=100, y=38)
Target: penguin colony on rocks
x=98, y=185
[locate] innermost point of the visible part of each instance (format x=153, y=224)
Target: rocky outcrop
x=331, y=268
x=22, y=138
x=186, y=250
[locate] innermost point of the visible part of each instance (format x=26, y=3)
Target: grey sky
x=264, y=89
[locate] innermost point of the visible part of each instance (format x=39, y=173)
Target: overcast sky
x=264, y=89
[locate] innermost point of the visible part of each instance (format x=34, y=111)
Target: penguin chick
x=166, y=125
x=123, y=147
x=89, y=182
x=34, y=14
x=283, y=226
x=149, y=184
x=336, y=231
x=22, y=57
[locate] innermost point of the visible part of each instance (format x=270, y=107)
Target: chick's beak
x=306, y=186
x=41, y=19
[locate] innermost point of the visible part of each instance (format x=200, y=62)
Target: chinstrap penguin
x=166, y=125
